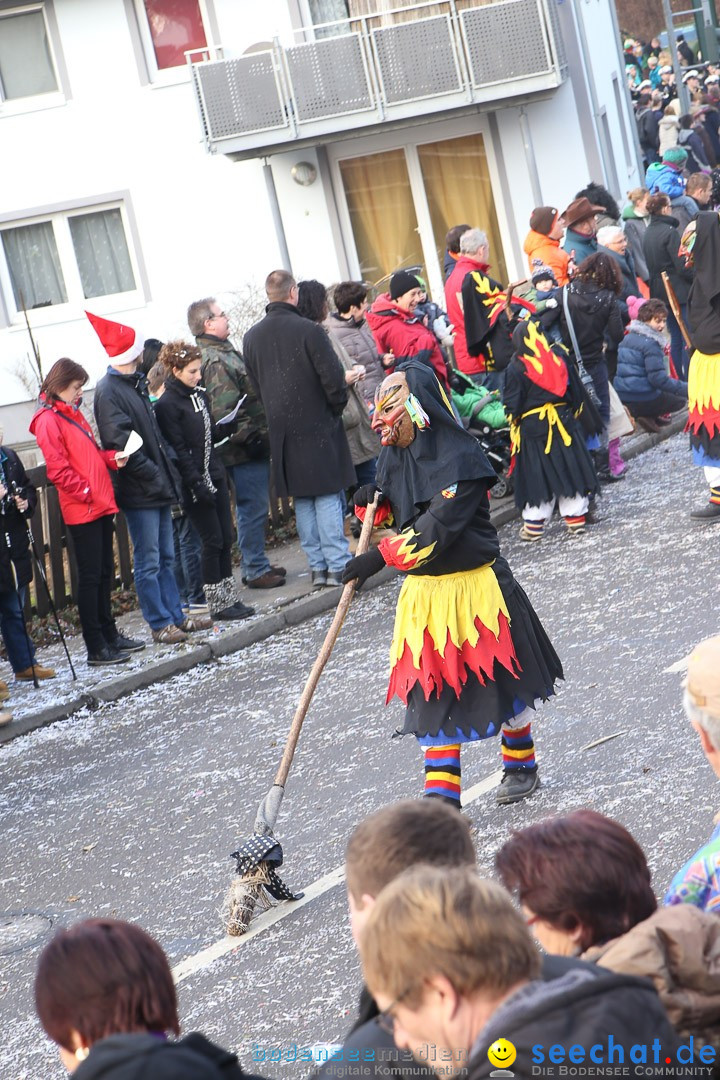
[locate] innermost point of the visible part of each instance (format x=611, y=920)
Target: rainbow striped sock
x=442, y=771
x=518, y=748
x=575, y=524
x=715, y=496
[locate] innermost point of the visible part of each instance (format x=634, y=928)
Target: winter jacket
x=549, y=253
x=301, y=383
x=626, y=264
x=595, y=316
x=668, y=130
x=357, y=340
x=635, y=225
x=185, y=421
x=406, y=336
x=464, y=265
x=75, y=463
x=580, y=1009
x=641, y=370
x=711, y=123
x=122, y=404
x=226, y=382
x=364, y=443
x=147, y=1057
x=684, y=210
x=679, y=949
x=664, y=178
x=697, y=159
x=582, y=246
x=648, y=121
x=15, y=560
x=661, y=246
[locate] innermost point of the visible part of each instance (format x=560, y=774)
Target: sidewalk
x=276, y=609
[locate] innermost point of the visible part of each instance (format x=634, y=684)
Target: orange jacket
x=549, y=252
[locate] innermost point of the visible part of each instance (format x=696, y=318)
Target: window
x=66, y=258
x=174, y=28
x=27, y=68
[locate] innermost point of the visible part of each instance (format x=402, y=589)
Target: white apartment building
x=341, y=138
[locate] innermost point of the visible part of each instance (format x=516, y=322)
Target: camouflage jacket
x=226, y=381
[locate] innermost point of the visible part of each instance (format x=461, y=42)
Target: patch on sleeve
x=450, y=492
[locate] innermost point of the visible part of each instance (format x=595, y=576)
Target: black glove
x=255, y=447
x=362, y=567
x=201, y=494
x=364, y=495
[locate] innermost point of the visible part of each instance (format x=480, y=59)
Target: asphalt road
x=132, y=810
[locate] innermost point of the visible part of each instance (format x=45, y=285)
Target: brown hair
x=278, y=285
x=198, y=313
x=452, y=238
x=657, y=202
x=104, y=977
x=156, y=376
x=178, y=354
x=60, y=375
x=650, y=309
x=430, y=922
x=402, y=835
x=579, y=870
x=698, y=182
x=601, y=269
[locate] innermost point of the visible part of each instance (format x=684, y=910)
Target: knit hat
x=703, y=677
x=543, y=219
x=402, y=283
x=634, y=303
x=543, y=273
x=675, y=155
x=120, y=342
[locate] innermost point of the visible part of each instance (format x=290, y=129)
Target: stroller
x=483, y=415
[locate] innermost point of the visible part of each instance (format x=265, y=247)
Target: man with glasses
x=246, y=452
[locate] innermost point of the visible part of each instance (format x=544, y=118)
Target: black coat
x=15, y=559
x=145, y=1057
x=597, y=318
x=301, y=383
x=180, y=413
x=122, y=404
x=661, y=245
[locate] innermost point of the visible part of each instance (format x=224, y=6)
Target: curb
x=292, y=614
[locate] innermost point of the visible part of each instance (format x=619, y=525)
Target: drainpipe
x=605, y=150
x=276, y=216
x=530, y=159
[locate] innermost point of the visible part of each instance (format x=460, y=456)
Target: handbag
x=621, y=422
x=582, y=370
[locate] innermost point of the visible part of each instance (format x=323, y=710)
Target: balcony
x=371, y=71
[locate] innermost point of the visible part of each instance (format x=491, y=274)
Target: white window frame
x=54, y=98
x=181, y=73
x=76, y=299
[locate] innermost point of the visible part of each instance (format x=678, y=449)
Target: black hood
x=705, y=291
x=147, y=1057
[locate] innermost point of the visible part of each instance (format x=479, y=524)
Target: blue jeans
x=20, y=654
x=188, y=561
x=251, y=482
x=151, y=533
x=599, y=375
x=678, y=349
x=321, y=531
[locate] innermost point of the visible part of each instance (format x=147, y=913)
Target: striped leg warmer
x=518, y=748
x=442, y=771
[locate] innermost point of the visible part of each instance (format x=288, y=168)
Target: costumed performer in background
x=544, y=394
x=469, y=655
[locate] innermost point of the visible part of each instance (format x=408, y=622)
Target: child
x=642, y=381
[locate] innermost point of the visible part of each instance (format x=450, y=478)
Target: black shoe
x=106, y=654
x=516, y=784
x=332, y=581
x=237, y=611
x=126, y=644
x=709, y=512
x=319, y=578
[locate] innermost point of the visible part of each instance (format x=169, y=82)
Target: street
x=132, y=810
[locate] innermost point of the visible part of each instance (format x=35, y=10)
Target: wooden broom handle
x=325, y=651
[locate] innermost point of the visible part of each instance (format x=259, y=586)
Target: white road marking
x=678, y=666
x=203, y=959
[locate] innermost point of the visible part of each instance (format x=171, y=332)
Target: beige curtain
x=382, y=214
x=383, y=9
x=458, y=188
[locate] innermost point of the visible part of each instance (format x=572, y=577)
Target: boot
x=602, y=467
x=516, y=784
x=617, y=465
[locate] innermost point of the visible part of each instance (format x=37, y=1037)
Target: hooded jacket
x=538, y=246
x=454, y=303
x=355, y=337
x=691, y=141
x=406, y=336
x=75, y=463
x=661, y=246
x=664, y=177
x=147, y=1057
x=668, y=129
x=15, y=561
x=641, y=370
x=634, y=225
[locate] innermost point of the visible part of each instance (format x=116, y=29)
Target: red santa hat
x=121, y=343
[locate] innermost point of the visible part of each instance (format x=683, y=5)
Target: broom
x=259, y=856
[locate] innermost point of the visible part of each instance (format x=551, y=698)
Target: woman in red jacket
x=398, y=330
x=79, y=470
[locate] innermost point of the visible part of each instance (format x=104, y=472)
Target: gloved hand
x=362, y=567
x=255, y=447
x=201, y=494
x=551, y=303
x=364, y=495
x=442, y=328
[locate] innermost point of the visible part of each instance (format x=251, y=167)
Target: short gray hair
x=607, y=234
x=198, y=313
x=472, y=240
x=709, y=723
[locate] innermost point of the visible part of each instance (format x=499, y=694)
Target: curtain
x=382, y=214
x=102, y=253
x=32, y=258
x=458, y=189
x=25, y=65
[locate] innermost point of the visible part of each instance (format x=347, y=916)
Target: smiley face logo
x=502, y=1053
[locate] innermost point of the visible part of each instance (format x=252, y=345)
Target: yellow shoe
x=40, y=673
x=4, y=690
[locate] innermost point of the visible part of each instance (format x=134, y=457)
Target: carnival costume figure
x=469, y=656
x=544, y=396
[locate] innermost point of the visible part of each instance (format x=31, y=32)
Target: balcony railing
x=374, y=69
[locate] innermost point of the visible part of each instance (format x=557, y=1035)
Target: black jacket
x=145, y=1057
x=596, y=316
x=301, y=384
x=661, y=245
x=122, y=404
x=182, y=414
x=15, y=560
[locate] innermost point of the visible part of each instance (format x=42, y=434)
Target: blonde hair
x=434, y=921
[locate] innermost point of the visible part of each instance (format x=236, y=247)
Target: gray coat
x=357, y=340
x=364, y=443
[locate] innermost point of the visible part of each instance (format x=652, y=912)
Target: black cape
x=704, y=299
x=440, y=455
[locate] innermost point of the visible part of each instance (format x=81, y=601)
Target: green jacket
x=226, y=381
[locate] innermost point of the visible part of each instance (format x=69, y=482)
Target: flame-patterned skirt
x=467, y=655
x=704, y=408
